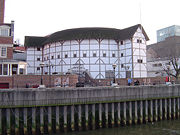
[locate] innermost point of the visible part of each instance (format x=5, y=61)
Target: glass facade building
x=162, y=34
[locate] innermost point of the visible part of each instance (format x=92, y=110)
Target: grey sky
x=43, y=17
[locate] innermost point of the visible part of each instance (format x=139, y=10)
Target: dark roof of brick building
x=84, y=33
x=168, y=48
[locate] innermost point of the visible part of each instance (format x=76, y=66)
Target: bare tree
x=173, y=70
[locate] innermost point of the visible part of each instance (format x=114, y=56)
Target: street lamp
x=114, y=67
x=42, y=65
x=128, y=73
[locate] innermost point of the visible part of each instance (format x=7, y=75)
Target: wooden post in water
x=42, y=120
x=151, y=111
x=16, y=111
x=169, y=116
x=178, y=110
x=119, y=113
x=160, y=109
x=57, y=119
x=0, y=121
x=130, y=112
x=106, y=113
x=33, y=121
x=135, y=112
x=49, y=119
x=79, y=117
x=24, y=120
x=112, y=114
x=124, y=113
x=8, y=127
x=165, y=108
x=65, y=118
x=141, y=112
x=86, y=116
x=100, y=115
x=72, y=117
x=146, y=111
x=93, y=116
x=156, y=110
x=174, y=108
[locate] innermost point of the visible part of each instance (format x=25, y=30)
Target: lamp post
x=42, y=65
x=114, y=67
x=128, y=74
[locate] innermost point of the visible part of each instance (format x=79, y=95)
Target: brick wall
x=143, y=81
x=20, y=81
x=6, y=40
x=10, y=53
x=2, y=6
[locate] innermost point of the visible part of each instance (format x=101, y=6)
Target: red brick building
x=8, y=65
x=2, y=6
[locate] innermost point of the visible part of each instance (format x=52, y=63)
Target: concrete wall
x=60, y=96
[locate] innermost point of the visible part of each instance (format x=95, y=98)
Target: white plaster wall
x=92, y=63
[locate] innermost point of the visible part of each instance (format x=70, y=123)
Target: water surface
x=171, y=127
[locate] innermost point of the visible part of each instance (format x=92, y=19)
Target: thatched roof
x=84, y=33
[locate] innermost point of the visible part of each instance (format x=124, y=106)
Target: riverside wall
x=68, y=96
x=39, y=111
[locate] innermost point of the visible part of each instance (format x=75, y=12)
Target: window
x=3, y=51
x=38, y=49
x=5, y=69
x=140, y=61
x=94, y=54
x=0, y=69
x=154, y=65
x=4, y=32
x=52, y=57
x=159, y=64
x=44, y=58
x=139, y=41
x=21, y=71
x=75, y=55
x=113, y=55
x=58, y=56
x=66, y=55
x=38, y=68
x=122, y=65
x=38, y=59
x=104, y=54
x=47, y=58
x=122, y=54
x=169, y=63
x=122, y=43
x=84, y=55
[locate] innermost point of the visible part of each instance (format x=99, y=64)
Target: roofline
x=87, y=33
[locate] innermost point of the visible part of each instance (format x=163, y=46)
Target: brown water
x=171, y=127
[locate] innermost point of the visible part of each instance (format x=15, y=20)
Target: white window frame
x=4, y=31
x=1, y=49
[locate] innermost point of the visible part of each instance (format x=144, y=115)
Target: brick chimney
x=2, y=7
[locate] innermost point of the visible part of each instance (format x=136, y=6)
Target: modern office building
x=91, y=50
x=170, y=31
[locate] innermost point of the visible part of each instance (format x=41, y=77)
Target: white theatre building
x=92, y=50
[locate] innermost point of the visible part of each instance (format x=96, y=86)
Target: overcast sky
x=43, y=17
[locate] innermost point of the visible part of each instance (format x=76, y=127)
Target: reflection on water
x=158, y=128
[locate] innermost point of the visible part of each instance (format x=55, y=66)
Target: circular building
x=90, y=50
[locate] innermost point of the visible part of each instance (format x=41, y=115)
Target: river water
x=171, y=127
